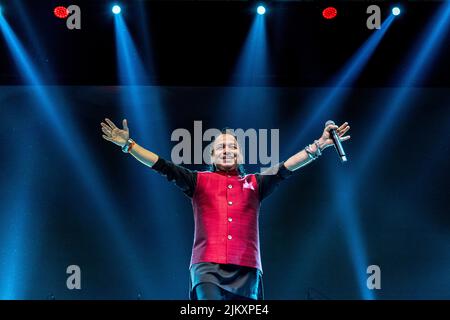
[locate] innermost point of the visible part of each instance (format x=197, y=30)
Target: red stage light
x=329, y=13
x=61, y=12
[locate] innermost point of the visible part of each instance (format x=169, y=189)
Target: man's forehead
x=225, y=138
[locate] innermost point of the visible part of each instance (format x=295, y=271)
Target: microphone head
x=329, y=122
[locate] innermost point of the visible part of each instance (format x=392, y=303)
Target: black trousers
x=210, y=291
x=230, y=282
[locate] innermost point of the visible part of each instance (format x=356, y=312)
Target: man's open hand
x=114, y=134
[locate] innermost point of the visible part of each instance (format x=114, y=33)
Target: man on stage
x=225, y=262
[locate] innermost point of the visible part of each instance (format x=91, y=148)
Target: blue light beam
x=79, y=156
x=420, y=60
x=240, y=101
x=325, y=105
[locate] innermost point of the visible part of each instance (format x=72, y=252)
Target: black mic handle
x=338, y=145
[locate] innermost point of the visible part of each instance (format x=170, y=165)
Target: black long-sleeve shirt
x=186, y=179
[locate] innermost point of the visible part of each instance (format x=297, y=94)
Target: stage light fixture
x=396, y=11
x=116, y=9
x=61, y=12
x=329, y=13
x=261, y=10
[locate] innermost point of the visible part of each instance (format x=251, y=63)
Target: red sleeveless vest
x=226, y=210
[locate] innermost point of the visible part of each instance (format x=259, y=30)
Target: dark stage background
x=68, y=197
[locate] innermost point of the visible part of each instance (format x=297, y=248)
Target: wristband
x=128, y=146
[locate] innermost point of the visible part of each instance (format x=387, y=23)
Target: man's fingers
x=125, y=124
x=330, y=127
x=344, y=138
x=106, y=138
x=343, y=125
x=106, y=131
x=342, y=132
x=104, y=125
x=111, y=124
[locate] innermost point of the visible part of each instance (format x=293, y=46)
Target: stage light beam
x=328, y=101
x=47, y=100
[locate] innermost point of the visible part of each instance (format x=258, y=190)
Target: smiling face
x=225, y=153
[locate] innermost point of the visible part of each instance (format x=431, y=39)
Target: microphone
x=337, y=141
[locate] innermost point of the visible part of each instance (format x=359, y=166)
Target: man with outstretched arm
x=225, y=262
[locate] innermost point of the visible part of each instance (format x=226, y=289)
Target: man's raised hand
x=341, y=131
x=115, y=135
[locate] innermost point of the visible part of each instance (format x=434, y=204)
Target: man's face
x=225, y=152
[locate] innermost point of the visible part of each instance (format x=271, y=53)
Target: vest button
x=230, y=202
x=229, y=237
x=230, y=186
x=230, y=219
